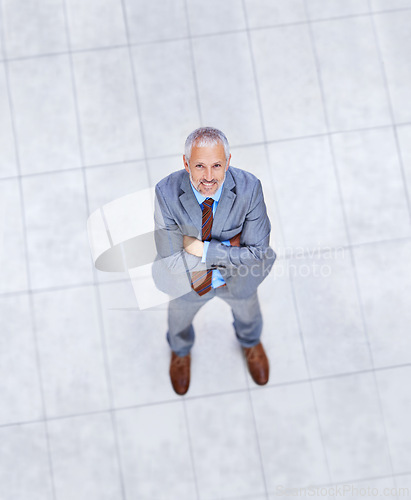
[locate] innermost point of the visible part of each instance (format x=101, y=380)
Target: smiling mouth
x=208, y=184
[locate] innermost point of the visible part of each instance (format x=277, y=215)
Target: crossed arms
x=182, y=251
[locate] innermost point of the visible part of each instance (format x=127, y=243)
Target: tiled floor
x=96, y=99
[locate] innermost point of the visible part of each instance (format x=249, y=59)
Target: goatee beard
x=196, y=187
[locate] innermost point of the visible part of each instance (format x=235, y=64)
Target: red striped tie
x=201, y=280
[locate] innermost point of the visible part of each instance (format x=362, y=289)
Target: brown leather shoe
x=257, y=362
x=180, y=372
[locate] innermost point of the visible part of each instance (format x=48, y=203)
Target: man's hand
x=193, y=246
x=235, y=240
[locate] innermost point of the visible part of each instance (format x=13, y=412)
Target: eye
x=217, y=165
x=199, y=166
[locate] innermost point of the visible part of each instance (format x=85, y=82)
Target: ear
x=228, y=163
x=186, y=164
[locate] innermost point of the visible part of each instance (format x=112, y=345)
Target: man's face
x=207, y=169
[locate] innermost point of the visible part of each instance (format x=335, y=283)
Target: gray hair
x=206, y=136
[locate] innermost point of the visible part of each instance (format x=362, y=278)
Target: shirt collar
x=201, y=198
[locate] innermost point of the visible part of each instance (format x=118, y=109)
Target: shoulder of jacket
x=242, y=177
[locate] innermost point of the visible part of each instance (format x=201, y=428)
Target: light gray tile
x=396, y=402
x=71, y=353
x=56, y=218
x=138, y=352
x=393, y=4
x=95, y=24
x=8, y=165
x=152, y=21
x=24, y=467
x=167, y=95
x=107, y=105
x=322, y=9
x=404, y=137
x=329, y=312
x=253, y=159
x=372, y=185
x=352, y=427
x=226, y=87
x=215, y=17
x=13, y=273
x=267, y=13
x=84, y=458
x=20, y=387
x=224, y=446
x=106, y=184
x=355, y=95
x=44, y=114
x=403, y=485
x=287, y=78
x=384, y=278
x=395, y=42
x=280, y=337
x=161, y=167
x=155, y=453
x=32, y=27
x=289, y=437
x=308, y=197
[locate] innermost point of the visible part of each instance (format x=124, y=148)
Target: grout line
x=135, y=88
x=263, y=127
x=96, y=290
x=27, y=262
x=391, y=111
x=307, y=365
x=268, y=387
x=193, y=64
x=190, y=448
x=174, y=155
x=61, y=288
x=351, y=252
x=249, y=389
x=206, y=35
x=305, y=490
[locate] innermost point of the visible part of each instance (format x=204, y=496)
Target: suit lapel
x=224, y=206
x=190, y=204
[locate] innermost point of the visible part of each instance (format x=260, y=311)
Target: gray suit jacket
x=241, y=209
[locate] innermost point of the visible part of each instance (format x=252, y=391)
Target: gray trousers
x=248, y=322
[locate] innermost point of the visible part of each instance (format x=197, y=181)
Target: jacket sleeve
x=255, y=238
x=169, y=239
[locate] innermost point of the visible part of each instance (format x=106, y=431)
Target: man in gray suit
x=212, y=238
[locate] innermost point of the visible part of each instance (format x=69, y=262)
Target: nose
x=208, y=174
